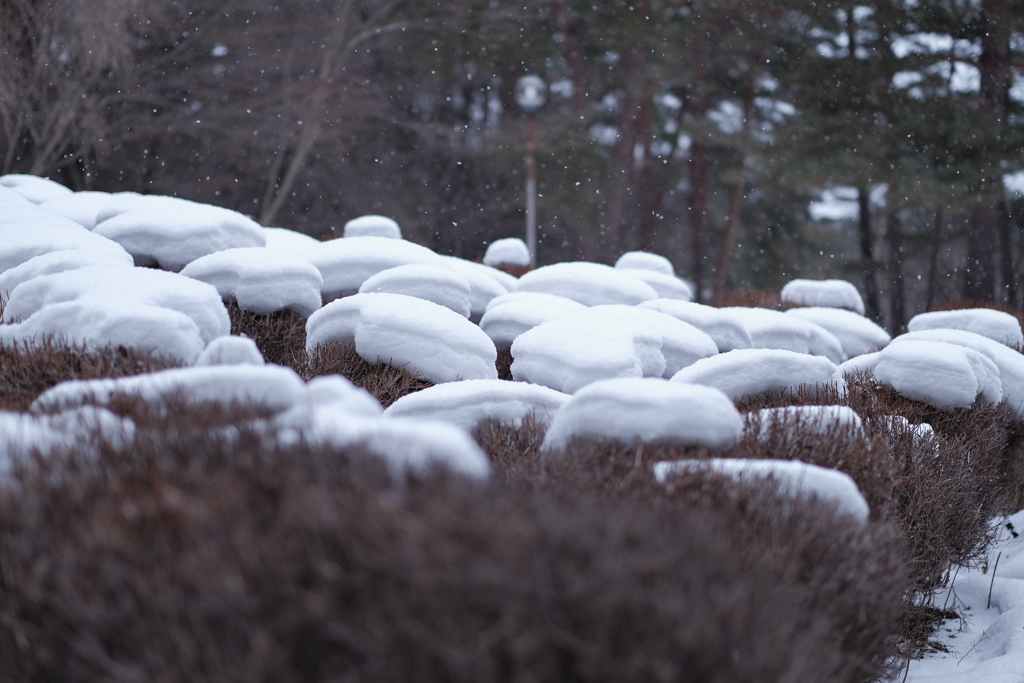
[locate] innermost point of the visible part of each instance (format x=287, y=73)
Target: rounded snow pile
x=509, y=315
x=510, y=251
x=290, y=242
x=59, y=262
x=750, y=372
x=646, y=409
x=657, y=271
x=28, y=234
x=590, y=284
x=793, y=478
x=824, y=293
x=373, y=226
x=472, y=401
x=260, y=280
x=570, y=353
x=172, y=232
x=728, y=333
x=231, y=350
x=818, y=419
x=855, y=333
x=485, y=283
x=682, y=344
x=81, y=207
x=33, y=188
x=347, y=263
x=775, y=330
x=645, y=260
x=937, y=373
x=431, y=283
x=1002, y=327
x=430, y=341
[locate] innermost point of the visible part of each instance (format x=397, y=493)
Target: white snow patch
x=570, y=353
x=431, y=283
x=824, y=293
x=590, y=284
x=290, y=242
x=470, y=402
x=825, y=420
x=794, y=478
x=373, y=226
x=23, y=435
x=667, y=286
x=33, y=188
x=775, y=330
x=24, y=239
x=81, y=207
x=58, y=262
x=485, y=283
x=645, y=260
x=855, y=333
x=646, y=409
x=231, y=350
x=347, y=263
x=749, y=372
x=728, y=333
x=509, y=315
x=997, y=325
x=260, y=280
x=429, y=340
x=510, y=251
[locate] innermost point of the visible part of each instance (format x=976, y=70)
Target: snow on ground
x=728, y=333
x=260, y=280
x=824, y=293
x=472, y=401
x=430, y=283
x=630, y=409
x=682, y=344
x=590, y=284
x=430, y=341
x=510, y=251
x=58, y=262
x=1009, y=362
x=110, y=287
x=569, y=353
x=817, y=419
x=510, y=315
x=1002, y=327
x=748, y=372
x=171, y=232
x=933, y=372
x=645, y=260
x=33, y=188
x=347, y=263
x=987, y=644
x=775, y=330
x=373, y=226
x=855, y=333
x=793, y=478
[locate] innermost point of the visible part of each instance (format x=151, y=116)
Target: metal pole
x=531, y=188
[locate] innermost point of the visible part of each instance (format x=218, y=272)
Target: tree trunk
x=622, y=158
x=894, y=236
x=699, y=214
x=867, y=243
x=933, y=258
x=980, y=270
x=1006, y=254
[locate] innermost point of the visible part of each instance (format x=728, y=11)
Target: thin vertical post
x=531, y=187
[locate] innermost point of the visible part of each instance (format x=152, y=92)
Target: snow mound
x=172, y=232
x=81, y=207
x=339, y=392
x=855, y=333
x=509, y=315
x=287, y=241
x=728, y=333
x=570, y=353
x=629, y=409
x=271, y=387
x=373, y=226
x=231, y=350
x=775, y=330
x=58, y=262
x=430, y=341
x=260, y=280
x=96, y=323
x=645, y=260
x=940, y=374
x=1002, y=327
x=682, y=344
x=23, y=435
x=485, y=283
x=473, y=401
x=25, y=239
x=1009, y=362
x=431, y=283
x=824, y=294
x=128, y=287
x=667, y=286
x=826, y=420
x=749, y=372
x=33, y=188
x=590, y=284
x=347, y=263
x=510, y=251
x=794, y=479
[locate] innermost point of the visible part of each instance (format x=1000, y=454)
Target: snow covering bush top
x=510, y=315
x=473, y=401
x=775, y=330
x=856, y=334
x=348, y=262
x=645, y=260
x=751, y=372
x=824, y=293
x=431, y=283
x=373, y=226
x=997, y=325
x=588, y=283
x=727, y=332
x=510, y=251
x=33, y=188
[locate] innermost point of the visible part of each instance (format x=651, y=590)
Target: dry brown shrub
x=29, y=369
x=386, y=382
x=504, y=364
x=280, y=336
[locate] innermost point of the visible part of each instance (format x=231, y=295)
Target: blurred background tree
x=706, y=130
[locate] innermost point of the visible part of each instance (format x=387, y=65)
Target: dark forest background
x=702, y=130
